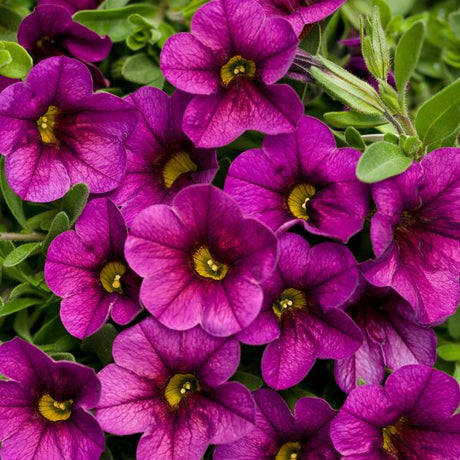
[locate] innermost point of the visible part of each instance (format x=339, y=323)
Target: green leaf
x=113, y=22
x=75, y=201
x=13, y=306
x=312, y=41
x=100, y=343
x=400, y=7
x=60, y=224
x=13, y=202
x=449, y=352
x=5, y=58
x=357, y=120
x=408, y=53
x=21, y=289
x=9, y=23
x=354, y=139
x=385, y=11
x=63, y=356
x=111, y=4
x=453, y=325
x=439, y=117
x=21, y=253
x=380, y=161
x=22, y=325
x=21, y=61
x=140, y=69
x=250, y=381
x=454, y=23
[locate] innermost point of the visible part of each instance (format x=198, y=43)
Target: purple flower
x=301, y=178
x=416, y=235
x=280, y=435
x=300, y=12
x=44, y=406
x=231, y=61
x=55, y=133
x=392, y=339
x=87, y=268
x=5, y=81
x=409, y=418
x=73, y=6
x=202, y=261
x=49, y=31
x=161, y=159
x=300, y=320
x=172, y=387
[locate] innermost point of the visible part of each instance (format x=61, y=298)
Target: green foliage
x=21, y=253
x=407, y=54
x=350, y=118
x=100, y=343
x=140, y=69
x=449, y=352
x=439, y=118
x=15, y=61
x=74, y=202
x=354, y=139
x=380, y=161
x=59, y=224
x=250, y=381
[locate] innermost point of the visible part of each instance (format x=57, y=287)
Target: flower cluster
x=218, y=276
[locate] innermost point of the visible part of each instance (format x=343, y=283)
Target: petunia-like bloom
x=301, y=178
x=55, y=133
x=161, y=159
x=416, y=235
x=392, y=338
x=301, y=12
x=409, y=418
x=49, y=31
x=202, y=261
x=72, y=6
x=87, y=268
x=280, y=435
x=300, y=320
x=172, y=387
x=230, y=61
x=44, y=406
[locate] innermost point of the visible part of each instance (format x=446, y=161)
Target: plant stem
x=22, y=236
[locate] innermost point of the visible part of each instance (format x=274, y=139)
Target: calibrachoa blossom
x=301, y=178
x=231, y=61
x=410, y=418
x=172, y=386
x=301, y=12
x=161, y=159
x=280, y=435
x=392, y=338
x=44, y=406
x=54, y=132
x=416, y=235
x=73, y=6
x=202, y=261
x=50, y=31
x=299, y=317
x=87, y=268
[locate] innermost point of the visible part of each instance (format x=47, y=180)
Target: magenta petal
x=231, y=412
x=287, y=360
x=189, y=65
x=129, y=403
x=217, y=119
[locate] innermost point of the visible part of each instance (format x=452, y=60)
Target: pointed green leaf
x=21, y=253
x=60, y=224
x=250, y=381
x=408, y=53
x=380, y=161
x=350, y=118
x=13, y=306
x=75, y=201
x=354, y=139
x=439, y=117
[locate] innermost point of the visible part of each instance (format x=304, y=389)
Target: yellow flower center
x=391, y=437
x=289, y=299
x=47, y=125
x=178, y=164
x=298, y=198
x=289, y=451
x=180, y=386
x=110, y=276
x=237, y=66
x=53, y=410
x=206, y=266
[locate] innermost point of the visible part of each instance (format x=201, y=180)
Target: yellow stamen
x=180, y=386
x=178, y=164
x=289, y=299
x=391, y=435
x=110, y=276
x=207, y=267
x=289, y=451
x=237, y=66
x=52, y=410
x=47, y=125
x=298, y=198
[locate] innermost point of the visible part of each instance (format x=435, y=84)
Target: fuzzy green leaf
x=21, y=253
